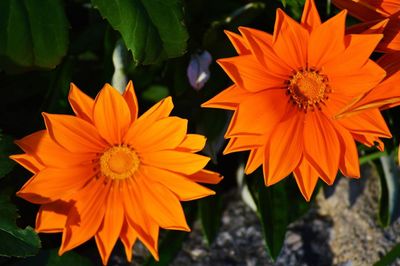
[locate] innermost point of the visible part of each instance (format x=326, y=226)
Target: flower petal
x=74, y=134
x=81, y=103
x=206, y=176
x=306, y=178
x=357, y=53
x=349, y=164
x=321, y=144
x=238, y=42
x=284, y=149
x=357, y=82
x=184, y=188
x=362, y=10
x=131, y=100
x=128, y=239
x=256, y=158
x=370, y=27
x=310, y=18
x=51, y=184
x=162, y=205
x=390, y=62
x=384, y=96
x=247, y=73
x=86, y=215
x=111, y=115
x=166, y=133
x=227, y=99
x=182, y=162
x=160, y=110
x=28, y=161
x=259, y=113
x=367, y=122
x=51, y=217
x=144, y=226
x=324, y=45
x=49, y=153
x=111, y=227
x=262, y=49
x=369, y=141
x=290, y=41
x=192, y=143
x=243, y=143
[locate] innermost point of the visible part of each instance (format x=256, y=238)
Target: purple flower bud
x=197, y=71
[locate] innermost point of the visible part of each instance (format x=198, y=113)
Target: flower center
x=308, y=89
x=119, y=162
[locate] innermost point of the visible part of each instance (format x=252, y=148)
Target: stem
x=373, y=156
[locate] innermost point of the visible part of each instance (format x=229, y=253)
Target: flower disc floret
x=308, y=88
x=119, y=162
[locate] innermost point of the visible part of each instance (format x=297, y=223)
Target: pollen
x=308, y=89
x=119, y=162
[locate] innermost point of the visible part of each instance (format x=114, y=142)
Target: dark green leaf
x=213, y=124
x=70, y=258
x=277, y=206
x=33, y=34
x=152, y=29
x=295, y=7
x=6, y=149
x=51, y=258
x=155, y=93
x=390, y=190
x=16, y=242
x=210, y=216
x=390, y=257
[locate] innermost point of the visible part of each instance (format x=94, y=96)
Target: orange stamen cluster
x=308, y=89
x=119, y=162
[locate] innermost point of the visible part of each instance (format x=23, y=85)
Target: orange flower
x=109, y=174
x=288, y=88
x=372, y=11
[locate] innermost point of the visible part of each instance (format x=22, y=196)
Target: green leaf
x=390, y=190
x=210, y=209
x=295, y=7
x=33, y=34
x=277, y=207
x=152, y=29
x=155, y=93
x=51, y=258
x=6, y=149
x=16, y=242
x=390, y=257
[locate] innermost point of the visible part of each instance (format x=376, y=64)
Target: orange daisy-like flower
x=372, y=11
x=288, y=89
x=109, y=174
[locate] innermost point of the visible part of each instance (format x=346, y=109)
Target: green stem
x=373, y=156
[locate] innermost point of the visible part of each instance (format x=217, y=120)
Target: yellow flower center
x=119, y=162
x=308, y=89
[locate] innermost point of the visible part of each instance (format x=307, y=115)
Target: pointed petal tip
x=129, y=87
x=229, y=33
x=307, y=197
x=168, y=100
